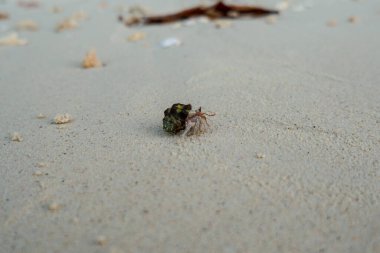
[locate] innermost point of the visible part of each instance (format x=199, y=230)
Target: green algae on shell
x=175, y=118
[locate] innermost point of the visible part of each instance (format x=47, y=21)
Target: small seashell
x=12, y=40
x=170, y=42
x=27, y=25
x=63, y=118
x=41, y=116
x=222, y=24
x=15, y=136
x=54, y=207
x=331, y=23
x=101, y=240
x=136, y=36
x=91, y=60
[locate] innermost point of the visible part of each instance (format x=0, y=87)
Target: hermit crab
x=180, y=117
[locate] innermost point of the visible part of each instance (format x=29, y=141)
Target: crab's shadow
x=155, y=130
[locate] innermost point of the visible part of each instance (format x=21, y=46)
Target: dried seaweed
x=216, y=11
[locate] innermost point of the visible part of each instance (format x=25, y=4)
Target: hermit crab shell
x=175, y=118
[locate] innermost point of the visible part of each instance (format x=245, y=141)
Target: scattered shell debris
x=260, y=156
x=189, y=22
x=72, y=21
x=41, y=116
x=29, y=4
x=203, y=20
x=15, y=136
x=91, y=60
x=176, y=25
x=63, y=118
x=103, y=5
x=221, y=24
x=41, y=165
x=27, y=25
x=101, y=240
x=67, y=24
x=12, y=40
x=4, y=15
x=282, y=6
x=38, y=173
x=332, y=23
x=136, y=36
x=56, y=9
x=79, y=15
x=138, y=11
x=170, y=42
x=353, y=19
x=54, y=207
x=271, y=20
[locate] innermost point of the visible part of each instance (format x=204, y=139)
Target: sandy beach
x=290, y=162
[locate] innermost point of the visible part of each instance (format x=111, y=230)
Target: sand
x=291, y=163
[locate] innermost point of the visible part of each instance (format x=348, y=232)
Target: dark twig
x=218, y=10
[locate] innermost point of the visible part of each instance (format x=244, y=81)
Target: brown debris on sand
x=217, y=11
x=3, y=15
x=353, y=19
x=332, y=23
x=91, y=60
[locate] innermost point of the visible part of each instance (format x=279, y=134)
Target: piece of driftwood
x=216, y=11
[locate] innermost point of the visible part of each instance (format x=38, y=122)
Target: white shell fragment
x=62, y=118
x=101, y=240
x=170, y=42
x=15, y=136
x=12, y=40
x=54, y=207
